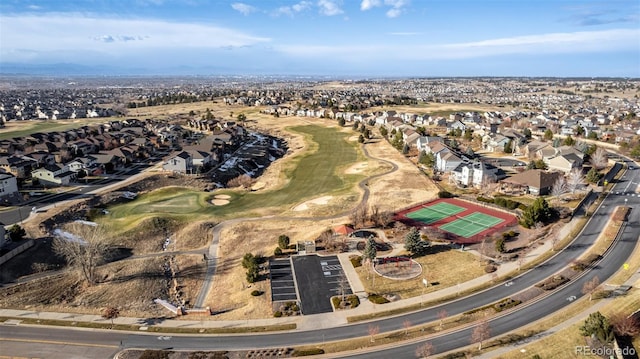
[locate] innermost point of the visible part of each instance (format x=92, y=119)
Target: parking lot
x=318, y=279
x=282, y=283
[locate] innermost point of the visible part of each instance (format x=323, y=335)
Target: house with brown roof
x=536, y=182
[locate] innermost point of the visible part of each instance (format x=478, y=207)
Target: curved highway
x=522, y=315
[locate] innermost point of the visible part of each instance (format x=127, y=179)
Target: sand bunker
x=258, y=185
x=318, y=201
x=220, y=199
x=356, y=168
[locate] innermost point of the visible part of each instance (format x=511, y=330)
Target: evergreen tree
x=537, y=212
x=593, y=176
x=548, y=135
x=370, y=252
x=597, y=325
x=413, y=243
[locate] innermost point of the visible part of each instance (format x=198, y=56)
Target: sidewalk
x=304, y=322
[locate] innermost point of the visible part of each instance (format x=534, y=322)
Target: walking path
x=304, y=322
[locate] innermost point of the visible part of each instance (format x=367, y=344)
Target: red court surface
x=470, y=207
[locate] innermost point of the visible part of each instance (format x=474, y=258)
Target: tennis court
x=471, y=224
x=434, y=213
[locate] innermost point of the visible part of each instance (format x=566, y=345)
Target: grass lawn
x=25, y=128
x=442, y=269
x=318, y=170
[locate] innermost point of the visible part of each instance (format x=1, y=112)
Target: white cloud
x=73, y=33
x=397, y=6
x=560, y=43
x=369, y=4
x=329, y=7
x=293, y=9
x=393, y=13
x=244, y=9
x=34, y=7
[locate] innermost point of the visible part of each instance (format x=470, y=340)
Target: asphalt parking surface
x=318, y=279
x=282, y=282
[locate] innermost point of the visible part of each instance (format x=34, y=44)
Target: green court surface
x=435, y=213
x=472, y=224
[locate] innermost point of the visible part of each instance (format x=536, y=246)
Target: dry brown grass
x=230, y=293
x=447, y=268
x=192, y=235
x=401, y=188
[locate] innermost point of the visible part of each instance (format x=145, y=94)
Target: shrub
x=356, y=261
x=377, y=299
x=277, y=314
x=283, y=241
x=506, y=304
x=306, y=352
x=490, y=268
x=155, y=354
x=256, y=293
x=445, y=194
x=277, y=251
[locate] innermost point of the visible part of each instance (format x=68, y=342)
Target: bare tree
x=575, y=180
x=481, y=333
x=599, y=158
x=110, y=313
x=590, y=286
x=243, y=181
x=442, y=315
x=559, y=186
x=406, y=324
x=424, y=350
x=624, y=325
x=343, y=284
x=373, y=331
x=82, y=246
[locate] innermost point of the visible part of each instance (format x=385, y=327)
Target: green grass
x=315, y=172
x=29, y=127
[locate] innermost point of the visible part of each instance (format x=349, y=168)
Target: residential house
x=19, y=166
x=180, y=163
x=457, y=125
x=476, y=174
x=200, y=159
x=53, y=175
x=423, y=142
x=530, y=149
x=565, y=163
x=109, y=162
x=447, y=161
x=9, y=189
x=536, y=182
x=88, y=164
x=495, y=142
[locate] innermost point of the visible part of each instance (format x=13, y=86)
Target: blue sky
x=326, y=37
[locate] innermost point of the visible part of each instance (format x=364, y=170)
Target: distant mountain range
x=71, y=69
x=65, y=69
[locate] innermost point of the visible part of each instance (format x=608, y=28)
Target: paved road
x=20, y=213
x=611, y=262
